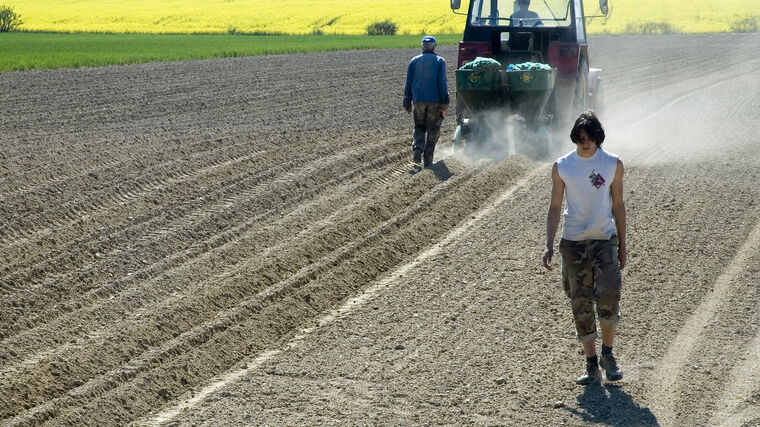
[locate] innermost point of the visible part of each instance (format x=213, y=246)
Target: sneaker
x=592, y=376
x=611, y=369
x=417, y=157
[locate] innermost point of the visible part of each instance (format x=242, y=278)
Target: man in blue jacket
x=426, y=95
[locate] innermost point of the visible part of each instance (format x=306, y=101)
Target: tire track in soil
x=350, y=270
x=45, y=168
x=75, y=150
x=72, y=171
x=364, y=170
x=208, y=196
x=667, y=379
x=194, y=397
x=103, y=238
x=307, y=275
x=63, y=258
x=128, y=189
x=30, y=247
x=73, y=286
x=740, y=401
x=26, y=185
x=143, y=294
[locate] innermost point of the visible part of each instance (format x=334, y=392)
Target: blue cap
x=428, y=39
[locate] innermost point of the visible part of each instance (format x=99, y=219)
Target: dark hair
x=588, y=122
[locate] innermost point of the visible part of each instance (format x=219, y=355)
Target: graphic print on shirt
x=597, y=180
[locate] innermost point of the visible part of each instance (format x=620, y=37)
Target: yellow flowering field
x=348, y=17
x=686, y=16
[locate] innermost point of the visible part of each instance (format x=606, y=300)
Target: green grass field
x=27, y=51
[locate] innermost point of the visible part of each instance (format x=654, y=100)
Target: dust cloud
x=497, y=135
x=678, y=120
x=492, y=136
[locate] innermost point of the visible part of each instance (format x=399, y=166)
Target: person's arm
x=553, y=217
x=618, y=212
x=408, y=87
x=538, y=22
x=443, y=87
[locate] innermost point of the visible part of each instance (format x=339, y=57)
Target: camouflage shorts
x=591, y=276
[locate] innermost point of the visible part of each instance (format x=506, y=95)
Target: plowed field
x=246, y=242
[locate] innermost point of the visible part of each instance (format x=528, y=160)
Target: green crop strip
x=38, y=51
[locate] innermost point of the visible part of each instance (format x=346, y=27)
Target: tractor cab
x=521, y=30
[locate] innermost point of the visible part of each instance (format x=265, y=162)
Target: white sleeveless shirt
x=588, y=202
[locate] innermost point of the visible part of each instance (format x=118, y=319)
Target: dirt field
x=246, y=242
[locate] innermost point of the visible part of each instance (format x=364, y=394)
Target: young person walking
x=593, y=244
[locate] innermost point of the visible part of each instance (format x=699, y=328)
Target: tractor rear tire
x=580, y=101
x=599, y=100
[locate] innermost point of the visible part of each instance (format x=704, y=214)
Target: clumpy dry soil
x=246, y=242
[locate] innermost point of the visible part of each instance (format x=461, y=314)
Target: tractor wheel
x=599, y=100
x=580, y=101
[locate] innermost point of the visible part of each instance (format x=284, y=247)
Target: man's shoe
x=417, y=156
x=611, y=369
x=592, y=376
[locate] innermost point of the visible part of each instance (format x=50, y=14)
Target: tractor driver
x=524, y=17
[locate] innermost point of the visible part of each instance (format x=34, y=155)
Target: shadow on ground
x=439, y=169
x=613, y=406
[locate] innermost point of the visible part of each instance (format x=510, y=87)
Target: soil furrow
x=198, y=193
x=181, y=280
x=454, y=199
x=238, y=200
x=196, y=276
x=128, y=187
x=683, y=368
x=270, y=194
x=309, y=273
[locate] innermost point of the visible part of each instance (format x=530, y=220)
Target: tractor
x=542, y=80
